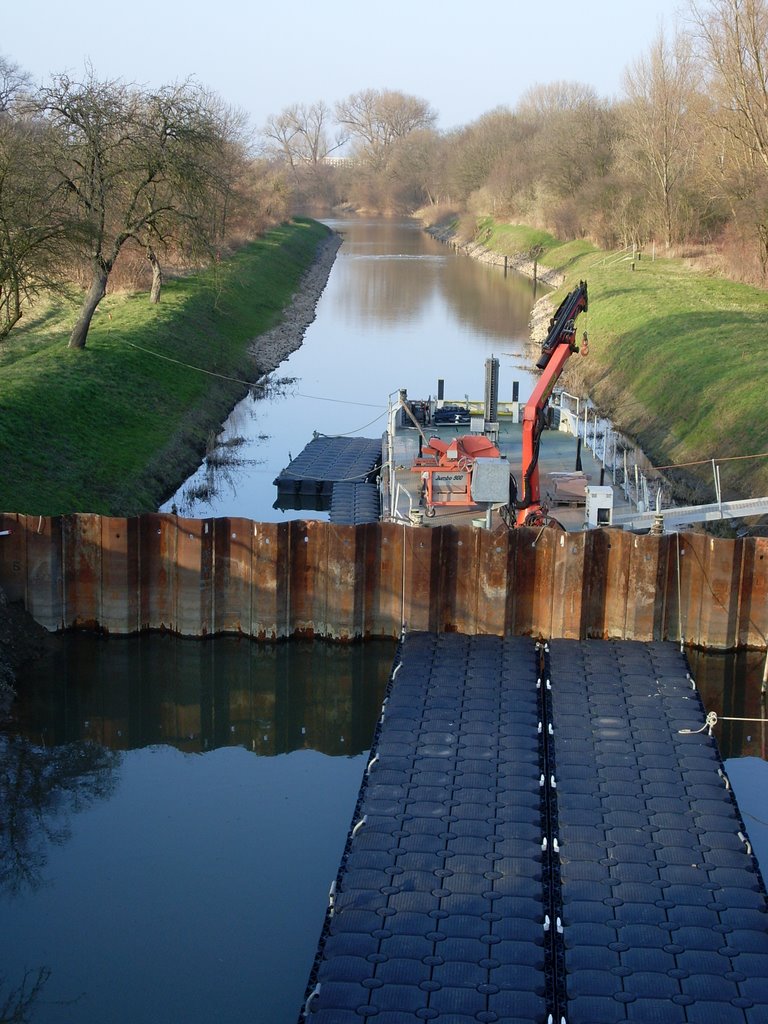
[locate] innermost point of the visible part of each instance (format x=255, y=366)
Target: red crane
x=557, y=348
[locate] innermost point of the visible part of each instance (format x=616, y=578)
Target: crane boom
x=557, y=348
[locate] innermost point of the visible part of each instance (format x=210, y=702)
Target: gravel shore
x=272, y=347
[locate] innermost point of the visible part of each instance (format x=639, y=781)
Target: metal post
x=391, y=460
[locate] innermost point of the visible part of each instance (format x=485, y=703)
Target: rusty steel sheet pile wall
x=271, y=580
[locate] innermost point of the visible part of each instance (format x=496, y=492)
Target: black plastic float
x=535, y=840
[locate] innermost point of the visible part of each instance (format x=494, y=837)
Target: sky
x=465, y=57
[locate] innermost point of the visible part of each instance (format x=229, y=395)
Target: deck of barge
x=536, y=839
x=558, y=456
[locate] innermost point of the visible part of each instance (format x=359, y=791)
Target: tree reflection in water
x=39, y=789
x=17, y=1003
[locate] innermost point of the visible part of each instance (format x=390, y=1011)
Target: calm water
x=173, y=814
x=399, y=311
x=173, y=811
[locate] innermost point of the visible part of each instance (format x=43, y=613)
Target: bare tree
x=33, y=220
x=571, y=136
x=477, y=150
x=13, y=83
x=658, y=126
x=299, y=135
x=376, y=118
x=733, y=45
x=135, y=165
x=417, y=169
x=34, y=226
x=193, y=148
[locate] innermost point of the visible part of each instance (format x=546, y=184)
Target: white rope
x=251, y=383
x=713, y=718
x=710, y=723
x=315, y=992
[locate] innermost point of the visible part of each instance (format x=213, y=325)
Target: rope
x=251, y=383
x=200, y=369
x=351, y=433
x=713, y=718
x=402, y=593
x=285, y=475
x=679, y=598
x=708, y=462
x=710, y=723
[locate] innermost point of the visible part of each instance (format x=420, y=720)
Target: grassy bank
x=676, y=355
x=115, y=429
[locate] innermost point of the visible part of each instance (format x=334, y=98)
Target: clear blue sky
x=464, y=56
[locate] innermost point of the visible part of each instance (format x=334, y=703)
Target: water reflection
x=185, y=877
x=730, y=685
x=399, y=310
x=40, y=789
x=125, y=693
x=497, y=306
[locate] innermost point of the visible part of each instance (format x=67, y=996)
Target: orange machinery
x=557, y=348
x=446, y=470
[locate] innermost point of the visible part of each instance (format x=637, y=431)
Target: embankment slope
x=117, y=427
x=675, y=354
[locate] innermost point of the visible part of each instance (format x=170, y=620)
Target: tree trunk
x=94, y=296
x=157, y=275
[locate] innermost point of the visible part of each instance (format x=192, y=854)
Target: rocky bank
x=275, y=345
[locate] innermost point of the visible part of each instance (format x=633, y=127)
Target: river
x=175, y=810
x=400, y=310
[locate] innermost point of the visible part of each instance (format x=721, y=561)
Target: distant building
x=339, y=161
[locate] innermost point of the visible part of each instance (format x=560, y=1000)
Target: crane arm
x=557, y=348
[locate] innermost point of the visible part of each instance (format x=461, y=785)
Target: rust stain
x=312, y=579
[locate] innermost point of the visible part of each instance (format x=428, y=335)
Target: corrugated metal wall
x=271, y=580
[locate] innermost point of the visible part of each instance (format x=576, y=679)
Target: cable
x=340, y=401
x=708, y=462
x=351, y=433
x=251, y=383
x=200, y=369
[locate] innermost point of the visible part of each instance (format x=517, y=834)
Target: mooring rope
x=713, y=718
x=679, y=598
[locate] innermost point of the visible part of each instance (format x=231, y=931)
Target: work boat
x=492, y=462
x=453, y=461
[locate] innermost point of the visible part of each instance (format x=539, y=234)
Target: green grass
x=510, y=239
x=113, y=429
x=676, y=355
x=676, y=359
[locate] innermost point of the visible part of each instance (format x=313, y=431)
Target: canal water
x=173, y=811
x=400, y=310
